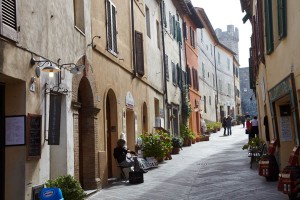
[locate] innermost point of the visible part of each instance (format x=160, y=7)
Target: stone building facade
x=248, y=100
x=230, y=38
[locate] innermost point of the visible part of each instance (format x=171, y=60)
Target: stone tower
x=229, y=38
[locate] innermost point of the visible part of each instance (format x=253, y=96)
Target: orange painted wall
x=192, y=62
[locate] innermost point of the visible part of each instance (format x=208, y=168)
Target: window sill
x=113, y=53
x=79, y=30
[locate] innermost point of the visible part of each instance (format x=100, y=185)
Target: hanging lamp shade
x=51, y=68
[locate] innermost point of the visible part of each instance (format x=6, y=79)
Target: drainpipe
x=164, y=53
x=216, y=82
x=133, y=41
x=234, y=93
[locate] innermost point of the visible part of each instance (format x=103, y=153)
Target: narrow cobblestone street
x=217, y=169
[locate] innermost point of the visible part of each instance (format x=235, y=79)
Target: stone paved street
x=218, y=169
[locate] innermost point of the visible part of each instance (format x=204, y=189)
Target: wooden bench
x=255, y=153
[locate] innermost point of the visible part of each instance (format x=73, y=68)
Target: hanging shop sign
x=54, y=118
x=129, y=101
x=34, y=127
x=281, y=89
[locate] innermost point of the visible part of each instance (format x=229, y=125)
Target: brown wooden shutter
x=8, y=19
x=139, y=51
x=188, y=72
x=260, y=38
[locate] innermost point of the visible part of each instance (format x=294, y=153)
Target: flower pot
x=193, y=141
x=187, y=142
x=160, y=159
x=204, y=138
x=175, y=150
x=197, y=139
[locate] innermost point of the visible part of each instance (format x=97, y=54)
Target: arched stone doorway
x=86, y=165
x=111, y=131
x=145, y=118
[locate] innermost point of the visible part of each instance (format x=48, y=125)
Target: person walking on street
x=254, y=124
x=224, y=125
x=228, y=121
x=248, y=129
x=243, y=120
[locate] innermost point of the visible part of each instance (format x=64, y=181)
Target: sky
x=228, y=12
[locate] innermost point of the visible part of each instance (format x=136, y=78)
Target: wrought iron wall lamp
x=47, y=65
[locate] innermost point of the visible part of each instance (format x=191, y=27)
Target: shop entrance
x=112, y=133
x=130, y=118
x=2, y=148
x=145, y=118
x=86, y=137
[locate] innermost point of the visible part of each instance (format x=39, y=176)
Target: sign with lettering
x=285, y=128
x=54, y=119
x=34, y=127
x=15, y=130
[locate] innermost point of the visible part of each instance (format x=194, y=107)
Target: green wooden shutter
x=164, y=14
x=167, y=67
x=174, y=26
x=269, y=26
x=282, y=18
x=173, y=74
x=171, y=23
x=8, y=19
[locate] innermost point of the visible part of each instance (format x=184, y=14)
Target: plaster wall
x=115, y=72
x=207, y=80
x=46, y=31
x=225, y=77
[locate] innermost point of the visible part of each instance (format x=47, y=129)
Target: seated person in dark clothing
x=120, y=154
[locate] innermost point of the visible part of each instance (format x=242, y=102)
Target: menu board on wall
x=34, y=126
x=285, y=128
x=15, y=130
x=54, y=119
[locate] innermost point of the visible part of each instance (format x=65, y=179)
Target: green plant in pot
x=69, y=186
x=187, y=135
x=177, y=143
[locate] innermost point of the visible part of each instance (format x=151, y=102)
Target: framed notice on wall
x=15, y=130
x=34, y=127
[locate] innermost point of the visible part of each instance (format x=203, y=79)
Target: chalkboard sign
x=54, y=119
x=34, y=125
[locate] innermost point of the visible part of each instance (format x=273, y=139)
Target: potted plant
x=187, y=135
x=70, y=187
x=198, y=138
x=177, y=143
x=204, y=137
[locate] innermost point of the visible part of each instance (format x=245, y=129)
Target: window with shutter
x=174, y=74
x=282, y=17
x=148, y=22
x=203, y=71
x=171, y=23
x=269, y=26
x=194, y=79
x=188, y=72
x=183, y=76
x=139, y=51
x=164, y=14
x=174, y=26
x=205, y=104
x=191, y=36
x=178, y=76
x=167, y=67
x=8, y=19
x=197, y=81
x=79, y=15
x=111, y=28
x=184, y=30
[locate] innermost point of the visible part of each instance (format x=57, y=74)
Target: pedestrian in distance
x=254, y=124
x=224, y=125
x=228, y=121
x=248, y=128
x=243, y=120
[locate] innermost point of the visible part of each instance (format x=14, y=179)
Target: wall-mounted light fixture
x=51, y=68
x=47, y=66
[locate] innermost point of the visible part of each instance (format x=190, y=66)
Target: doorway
x=111, y=132
x=86, y=137
x=130, y=119
x=2, y=138
x=145, y=118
